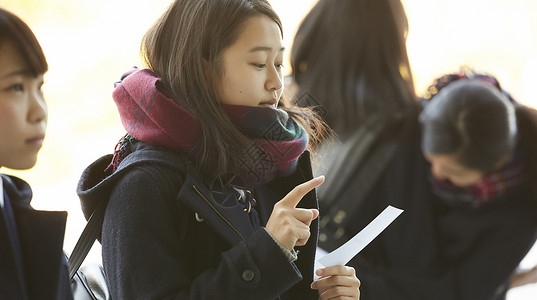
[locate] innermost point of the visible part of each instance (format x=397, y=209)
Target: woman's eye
x=279, y=66
x=16, y=88
x=260, y=65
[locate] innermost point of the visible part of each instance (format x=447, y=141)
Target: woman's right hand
x=337, y=282
x=289, y=225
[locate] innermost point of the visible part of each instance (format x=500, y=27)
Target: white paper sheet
x=347, y=251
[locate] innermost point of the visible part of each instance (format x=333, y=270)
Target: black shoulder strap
x=357, y=167
x=95, y=222
x=87, y=238
x=351, y=153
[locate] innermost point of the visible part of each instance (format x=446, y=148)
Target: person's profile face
x=446, y=167
x=252, y=66
x=23, y=111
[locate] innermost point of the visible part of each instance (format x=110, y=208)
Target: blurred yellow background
x=89, y=44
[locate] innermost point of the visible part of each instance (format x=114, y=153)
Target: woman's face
x=446, y=167
x=252, y=65
x=23, y=111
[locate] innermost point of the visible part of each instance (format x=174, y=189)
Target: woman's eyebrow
x=265, y=48
x=19, y=72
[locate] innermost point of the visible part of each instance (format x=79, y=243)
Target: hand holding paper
x=347, y=251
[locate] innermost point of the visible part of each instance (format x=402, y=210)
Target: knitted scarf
x=493, y=185
x=150, y=116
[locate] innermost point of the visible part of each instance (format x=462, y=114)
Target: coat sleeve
x=145, y=257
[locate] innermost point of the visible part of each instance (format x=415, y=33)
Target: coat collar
x=18, y=190
x=41, y=235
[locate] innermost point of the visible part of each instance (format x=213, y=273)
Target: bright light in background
x=89, y=44
x=494, y=36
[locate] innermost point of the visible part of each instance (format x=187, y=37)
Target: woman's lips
x=36, y=141
x=268, y=102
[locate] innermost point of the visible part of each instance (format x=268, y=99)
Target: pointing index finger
x=294, y=196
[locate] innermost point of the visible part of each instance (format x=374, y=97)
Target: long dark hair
x=349, y=57
x=184, y=49
x=471, y=117
x=15, y=31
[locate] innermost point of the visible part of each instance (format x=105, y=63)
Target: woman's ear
x=205, y=64
x=207, y=68
x=211, y=75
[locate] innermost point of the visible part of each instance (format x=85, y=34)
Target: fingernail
x=319, y=272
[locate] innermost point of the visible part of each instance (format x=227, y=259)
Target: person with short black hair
x=32, y=264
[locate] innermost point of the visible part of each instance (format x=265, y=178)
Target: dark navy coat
x=165, y=237
x=435, y=251
x=41, y=235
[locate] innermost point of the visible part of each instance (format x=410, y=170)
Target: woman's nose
x=274, y=80
x=38, y=108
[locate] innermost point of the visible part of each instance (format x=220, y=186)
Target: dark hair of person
x=349, y=57
x=15, y=32
x=184, y=48
x=471, y=118
x=527, y=136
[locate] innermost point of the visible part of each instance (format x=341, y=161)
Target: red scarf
x=149, y=116
x=493, y=185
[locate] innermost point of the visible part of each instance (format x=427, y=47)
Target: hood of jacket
x=97, y=180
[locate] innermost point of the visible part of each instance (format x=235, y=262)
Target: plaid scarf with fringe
x=150, y=116
x=493, y=185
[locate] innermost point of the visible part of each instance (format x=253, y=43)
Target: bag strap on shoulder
x=357, y=167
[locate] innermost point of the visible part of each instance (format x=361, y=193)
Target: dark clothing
x=166, y=237
x=40, y=270
x=432, y=251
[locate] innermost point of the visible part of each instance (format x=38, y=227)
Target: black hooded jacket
x=166, y=237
